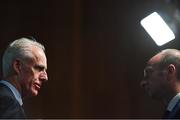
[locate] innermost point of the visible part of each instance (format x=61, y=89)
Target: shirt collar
x=173, y=102
x=14, y=90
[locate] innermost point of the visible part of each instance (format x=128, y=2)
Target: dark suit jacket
x=9, y=106
x=175, y=113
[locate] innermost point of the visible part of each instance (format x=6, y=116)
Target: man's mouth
x=37, y=86
x=146, y=88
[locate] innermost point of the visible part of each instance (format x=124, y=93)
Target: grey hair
x=20, y=48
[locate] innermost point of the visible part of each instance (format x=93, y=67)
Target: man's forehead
x=39, y=56
x=154, y=60
x=152, y=63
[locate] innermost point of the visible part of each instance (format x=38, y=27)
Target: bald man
x=162, y=80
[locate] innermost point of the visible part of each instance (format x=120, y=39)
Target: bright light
x=157, y=29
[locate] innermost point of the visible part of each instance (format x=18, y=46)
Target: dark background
x=96, y=52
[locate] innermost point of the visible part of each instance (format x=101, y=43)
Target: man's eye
x=147, y=73
x=39, y=68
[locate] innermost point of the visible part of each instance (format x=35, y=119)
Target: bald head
x=165, y=58
x=162, y=75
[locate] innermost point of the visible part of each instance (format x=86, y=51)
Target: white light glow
x=157, y=29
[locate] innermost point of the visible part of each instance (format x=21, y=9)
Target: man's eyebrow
x=42, y=67
x=148, y=67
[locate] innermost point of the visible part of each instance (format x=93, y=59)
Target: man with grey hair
x=24, y=68
x=162, y=80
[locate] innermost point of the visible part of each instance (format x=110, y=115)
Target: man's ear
x=17, y=65
x=171, y=69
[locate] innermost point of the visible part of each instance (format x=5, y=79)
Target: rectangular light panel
x=156, y=27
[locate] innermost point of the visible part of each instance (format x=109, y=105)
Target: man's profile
x=24, y=66
x=162, y=80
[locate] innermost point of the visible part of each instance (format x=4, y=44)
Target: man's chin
x=149, y=93
x=30, y=93
x=33, y=93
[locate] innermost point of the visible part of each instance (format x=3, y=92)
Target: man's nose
x=143, y=83
x=44, y=76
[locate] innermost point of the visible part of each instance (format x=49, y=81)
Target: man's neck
x=166, y=99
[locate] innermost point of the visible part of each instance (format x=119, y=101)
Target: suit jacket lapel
x=175, y=111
